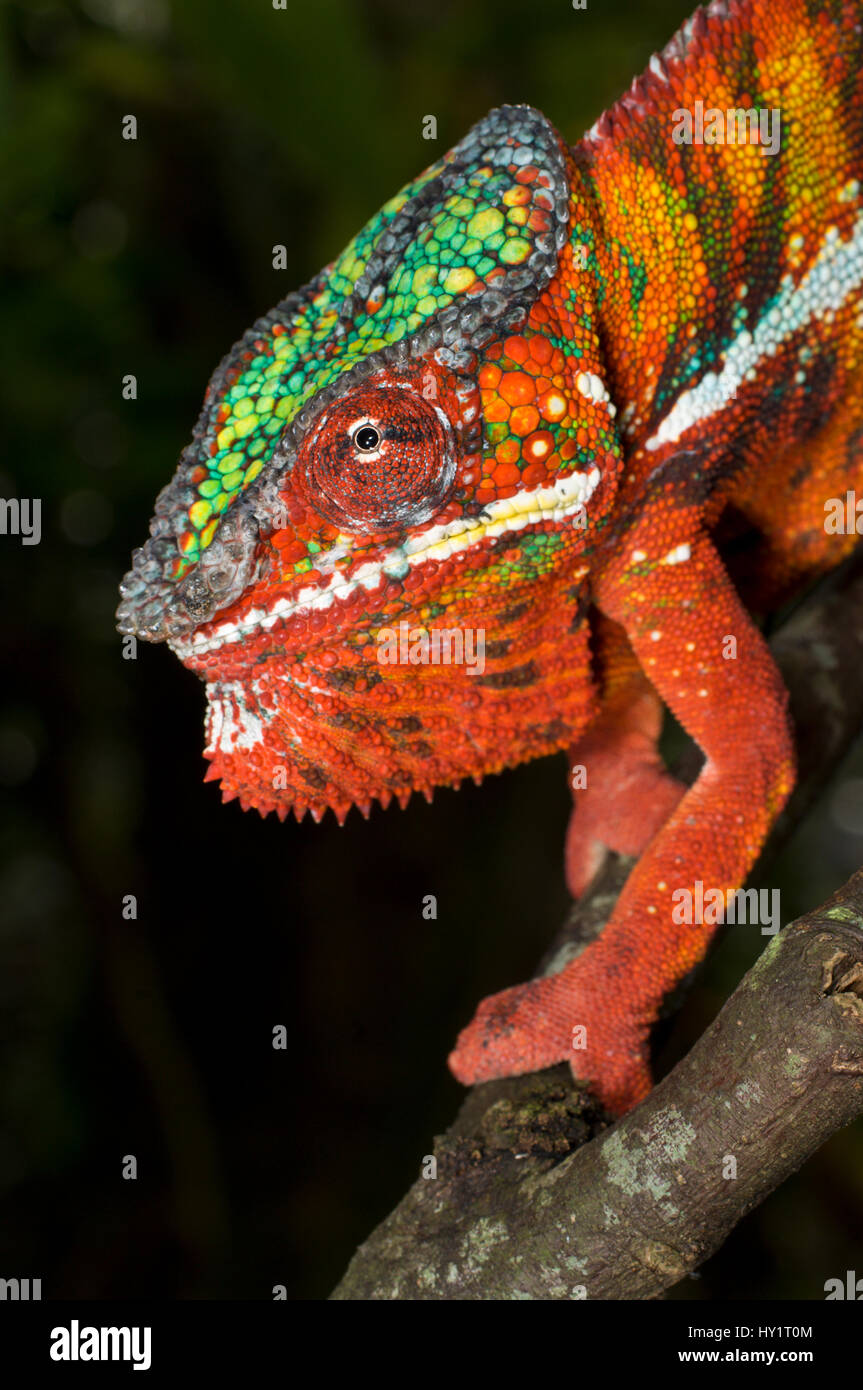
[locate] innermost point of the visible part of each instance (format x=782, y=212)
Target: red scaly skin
x=525, y=403
x=775, y=449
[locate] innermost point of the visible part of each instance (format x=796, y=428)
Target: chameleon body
x=530, y=399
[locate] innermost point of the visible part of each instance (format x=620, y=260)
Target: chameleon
x=546, y=395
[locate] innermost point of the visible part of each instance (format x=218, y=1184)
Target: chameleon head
x=371, y=551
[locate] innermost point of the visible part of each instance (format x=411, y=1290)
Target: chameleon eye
x=366, y=438
x=378, y=458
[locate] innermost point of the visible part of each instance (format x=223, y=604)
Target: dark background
x=153, y=1037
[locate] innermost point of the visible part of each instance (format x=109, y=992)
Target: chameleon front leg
x=622, y=791
x=712, y=667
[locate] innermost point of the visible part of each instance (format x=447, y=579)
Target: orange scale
x=505, y=475
x=507, y=491
x=516, y=349
x=495, y=409
x=527, y=174
x=518, y=388
x=289, y=547
x=506, y=454
x=538, y=221
x=524, y=419
x=535, y=474
x=540, y=349
x=558, y=361
x=552, y=405
x=538, y=446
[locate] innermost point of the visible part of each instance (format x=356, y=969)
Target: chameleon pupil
x=367, y=438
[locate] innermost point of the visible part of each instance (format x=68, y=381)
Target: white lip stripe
x=556, y=503
x=834, y=275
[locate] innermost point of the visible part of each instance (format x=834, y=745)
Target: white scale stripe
x=555, y=503
x=834, y=275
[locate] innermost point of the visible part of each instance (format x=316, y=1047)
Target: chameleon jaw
x=338, y=725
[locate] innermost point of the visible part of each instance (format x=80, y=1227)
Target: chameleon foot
x=536, y=1025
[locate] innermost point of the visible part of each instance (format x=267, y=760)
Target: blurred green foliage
x=152, y=1036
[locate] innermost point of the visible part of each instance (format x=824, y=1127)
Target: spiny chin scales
x=340, y=729
x=249, y=802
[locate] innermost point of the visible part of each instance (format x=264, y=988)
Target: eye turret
x=378, y=458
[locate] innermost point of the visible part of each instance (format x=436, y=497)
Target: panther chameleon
x=531, y=398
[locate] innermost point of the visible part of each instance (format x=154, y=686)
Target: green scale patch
x=481, y=224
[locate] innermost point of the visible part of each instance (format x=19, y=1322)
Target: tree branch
x=535, y=1198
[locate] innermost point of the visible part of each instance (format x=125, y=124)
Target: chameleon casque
x=530, y=398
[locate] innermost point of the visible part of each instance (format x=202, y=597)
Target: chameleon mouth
x=565, y=499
